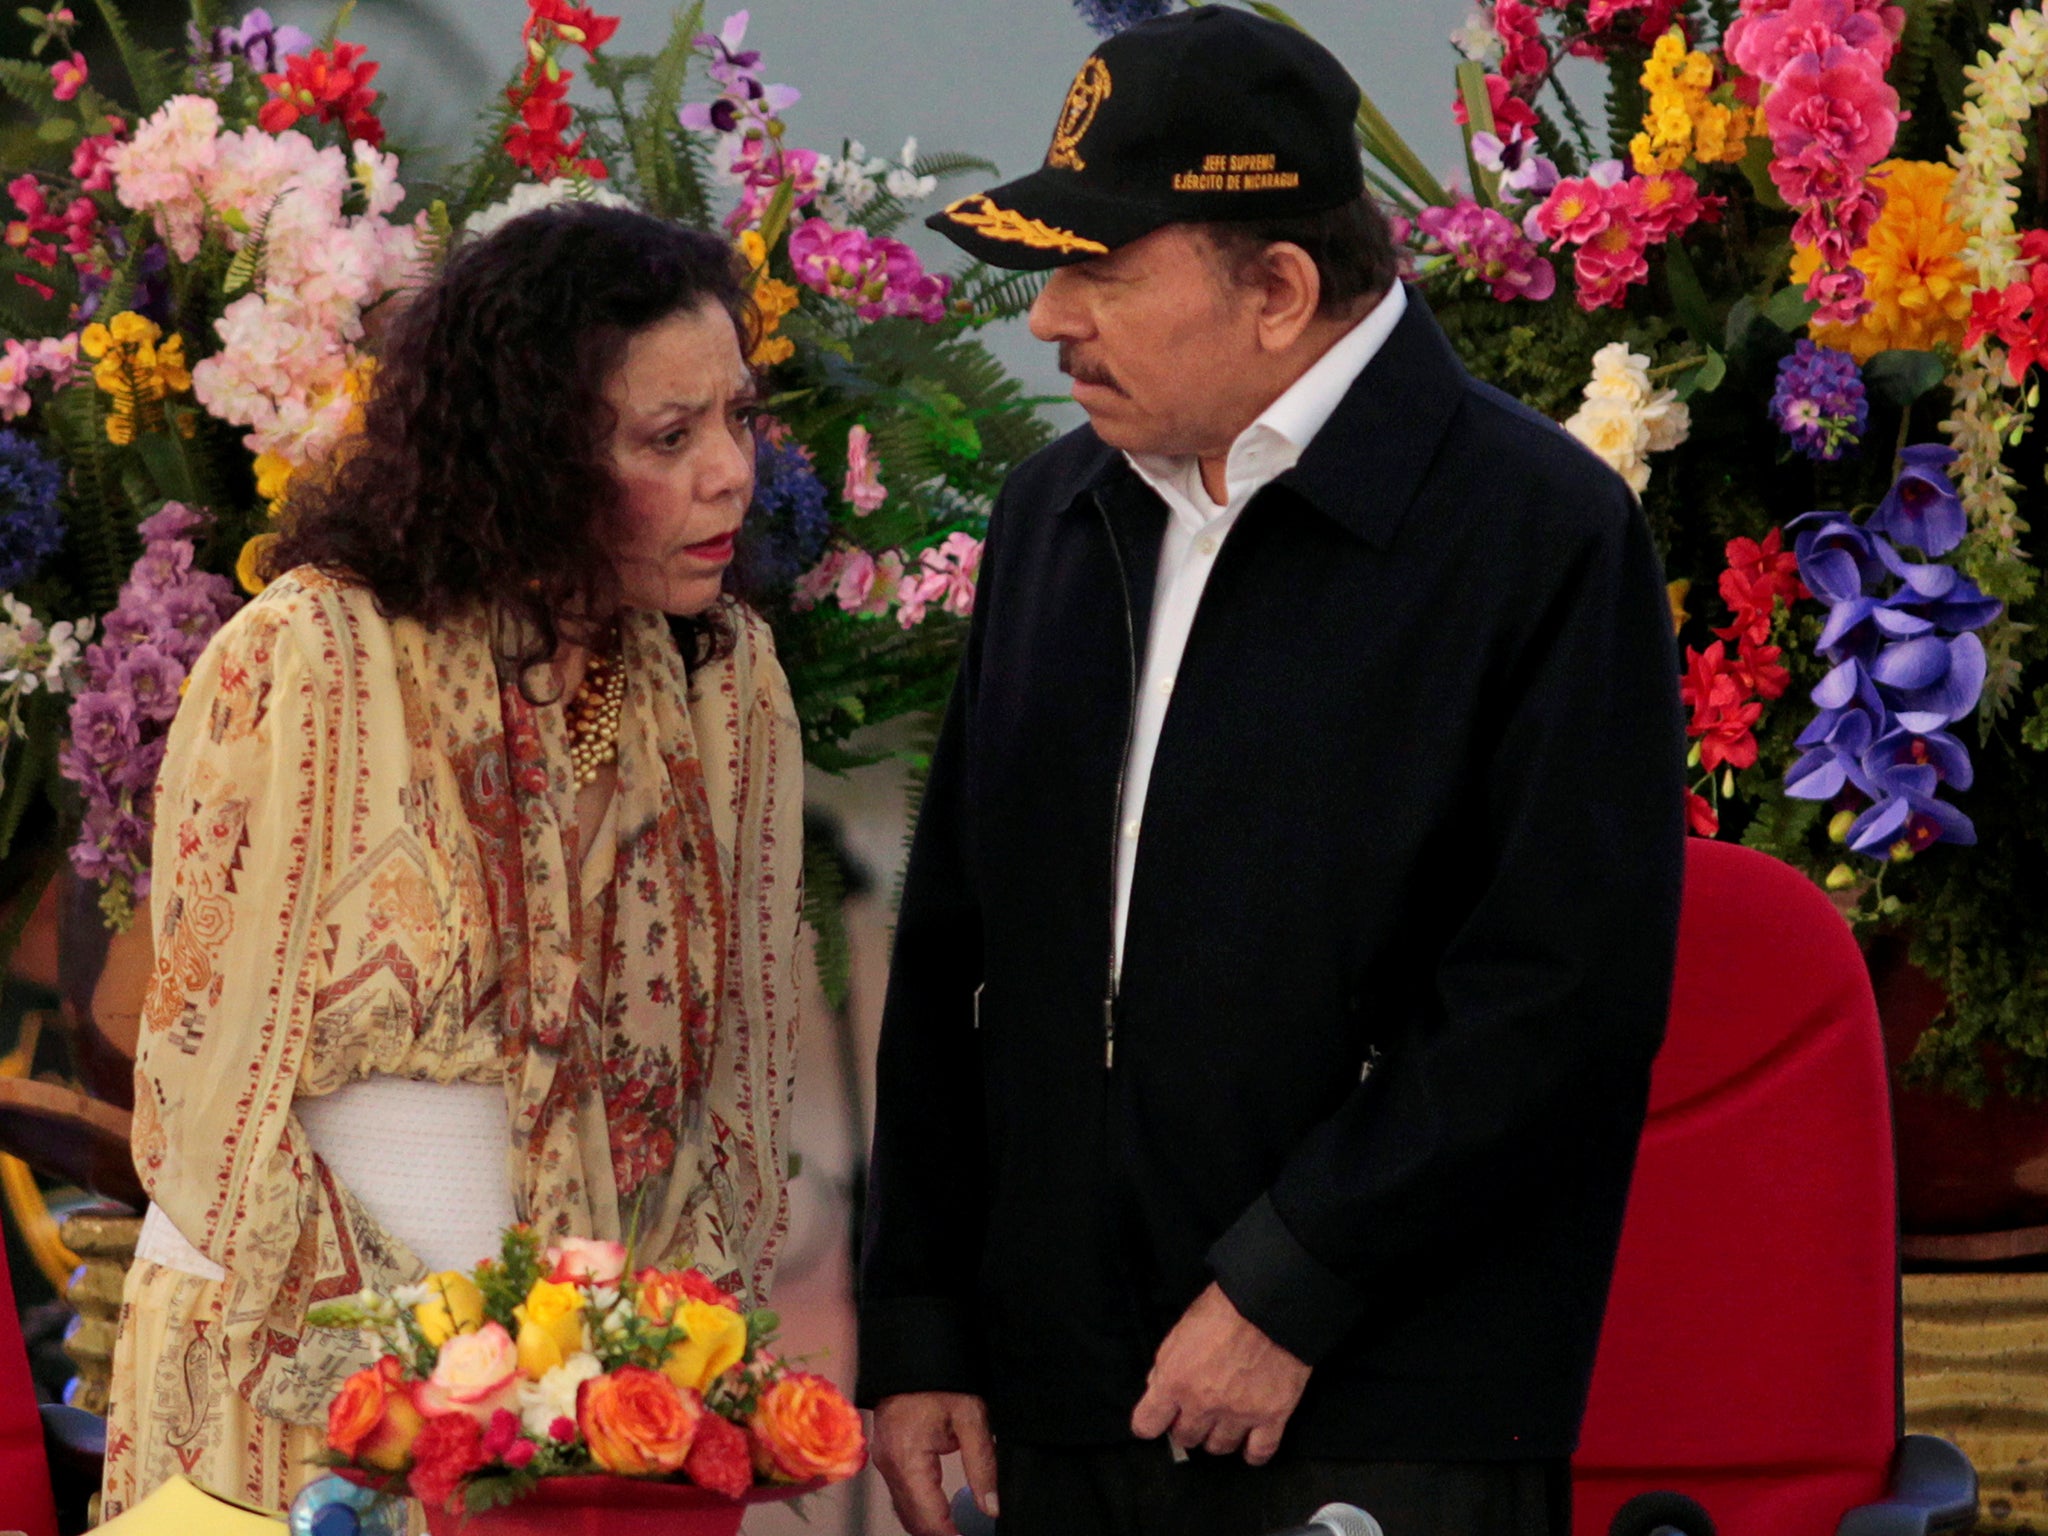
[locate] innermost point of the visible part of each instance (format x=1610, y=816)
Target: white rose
x=1667, y=419
x=1614, y=430
x=554, y=1395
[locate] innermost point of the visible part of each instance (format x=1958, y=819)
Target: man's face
x=1160, y=344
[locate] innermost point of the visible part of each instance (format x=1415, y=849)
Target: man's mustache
x=1084, y=373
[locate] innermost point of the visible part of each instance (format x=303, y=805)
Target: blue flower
x=31, y=527
x=1109, y=17
x=1922, y=510
x=1820, y=401
x=786, y=530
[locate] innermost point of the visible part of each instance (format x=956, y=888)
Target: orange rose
x=637, y=1422
x=661, y=1291
x=372, y=1419
x=808, y=1429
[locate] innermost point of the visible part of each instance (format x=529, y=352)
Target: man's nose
x=1054, y=316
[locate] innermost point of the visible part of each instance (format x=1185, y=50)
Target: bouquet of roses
x=556, y=1361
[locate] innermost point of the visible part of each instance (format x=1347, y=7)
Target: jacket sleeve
x=1550, y=995
x=927, y=1183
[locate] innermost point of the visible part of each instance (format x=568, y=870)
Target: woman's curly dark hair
x=483, y=470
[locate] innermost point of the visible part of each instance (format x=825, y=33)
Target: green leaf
x=58, y=130
x=151, y=72
x=163, y=455
x=1478, y=119
x=1789, y=309
x=1706, y=378
x=1900, y=377
x=1688, y=297
x=1756, y=168
x=825, y=911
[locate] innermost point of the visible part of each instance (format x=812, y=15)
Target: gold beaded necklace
x=595, y=709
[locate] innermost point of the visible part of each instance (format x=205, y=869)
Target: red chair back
x=1749, y=1356
x=25, y=1503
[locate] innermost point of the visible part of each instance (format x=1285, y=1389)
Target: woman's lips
x=716, y=551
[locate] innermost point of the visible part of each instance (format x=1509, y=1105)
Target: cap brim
x=1043, y=220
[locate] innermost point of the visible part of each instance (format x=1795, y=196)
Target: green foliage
x=152, y=73
x=825, y=911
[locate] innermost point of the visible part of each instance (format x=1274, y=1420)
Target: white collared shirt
x=1195, y=532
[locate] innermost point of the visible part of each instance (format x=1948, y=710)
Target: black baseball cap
x=1207, y=115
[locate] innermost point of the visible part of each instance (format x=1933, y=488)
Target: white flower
x=410, y=1296
x=1616, y=431
x=1619, y=374
x=1477, y=40
x=1667, y=419
x=554, y=1395
x=530, y=195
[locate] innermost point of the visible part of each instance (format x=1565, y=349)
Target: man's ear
x=1291, y=291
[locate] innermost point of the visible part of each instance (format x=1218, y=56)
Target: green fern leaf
x=825, y=911
x=151, y=72
x=947, y=163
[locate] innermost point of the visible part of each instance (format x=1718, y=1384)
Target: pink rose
x=589, y=1259
x=477, y=1374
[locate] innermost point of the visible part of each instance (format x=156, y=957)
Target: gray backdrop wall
x=982, y=76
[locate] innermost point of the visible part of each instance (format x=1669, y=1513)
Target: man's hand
x=912, y=1431
x=1220, y=1383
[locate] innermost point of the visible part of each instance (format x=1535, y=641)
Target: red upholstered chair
x=25, y=1503
x=1749, y=1363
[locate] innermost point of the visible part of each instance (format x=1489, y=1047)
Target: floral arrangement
x=189, y=302
x=561, y=1360
x=1795, y=292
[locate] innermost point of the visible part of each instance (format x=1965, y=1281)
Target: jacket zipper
x=1116, y=824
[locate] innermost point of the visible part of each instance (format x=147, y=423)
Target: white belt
x=430, y=1162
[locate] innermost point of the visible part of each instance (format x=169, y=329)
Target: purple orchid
x=1922, y=510
x=1908, y=663
x=745, y=99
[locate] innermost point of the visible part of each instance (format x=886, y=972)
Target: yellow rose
x=456, y=1306
x=718, y=1338
x=550, y=1327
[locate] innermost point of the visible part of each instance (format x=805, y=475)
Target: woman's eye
x=673, y=439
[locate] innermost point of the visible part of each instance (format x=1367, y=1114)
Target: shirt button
x=1131, y=830
x=1206, y=544
x=1165, y=686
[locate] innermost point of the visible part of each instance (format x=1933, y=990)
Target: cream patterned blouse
x=366, y=863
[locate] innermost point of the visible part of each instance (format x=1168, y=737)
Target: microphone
x=1337, y=1520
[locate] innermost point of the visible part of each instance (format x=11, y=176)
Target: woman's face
x=684, y=454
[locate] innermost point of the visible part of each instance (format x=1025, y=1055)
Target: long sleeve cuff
x=1282, y=1289
x=917, y=1344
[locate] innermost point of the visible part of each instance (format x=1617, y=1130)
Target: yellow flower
x=135, y=373
x=718, y=1338
x=754, y=249
x=550, y=1327
x=772, y=350
x=1912, y=265
x=1676, y=592
x=456, y=1307
x=273, y=479
x=249, y=564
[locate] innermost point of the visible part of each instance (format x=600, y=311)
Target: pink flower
x=476, y=1374
x=863, y=483
x=1607, y=265
x=950, y=571
x=878, y=276
x=1832, y=117
x=1488, y=244
x=1514, y=120
x=866, y=583
x=911, y=600
x=1578, y=209
x=1770, y=34
x=89, y=162
x=1840, y=296
x=585, y=1258
x=70, y=76
x=1668, y=203
x=815, y=584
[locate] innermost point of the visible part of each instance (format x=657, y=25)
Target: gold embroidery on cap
x=985, y=218
x=1237, y=173
x=1084, y=99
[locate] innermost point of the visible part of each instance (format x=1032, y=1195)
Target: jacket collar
x=1364, y=468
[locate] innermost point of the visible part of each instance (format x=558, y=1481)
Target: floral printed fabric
x=367, y=862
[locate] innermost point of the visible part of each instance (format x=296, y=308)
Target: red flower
x=1700, y=817
x=719, y=1458
x=450, y=1447
x=574, y=24
x=1723, y=709
x=333, y=89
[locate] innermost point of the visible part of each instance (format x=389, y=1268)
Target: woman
x=476, y=871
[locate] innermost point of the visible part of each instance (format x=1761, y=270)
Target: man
x=1289, y=924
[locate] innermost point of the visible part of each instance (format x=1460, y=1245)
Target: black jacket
x=1398, y=954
